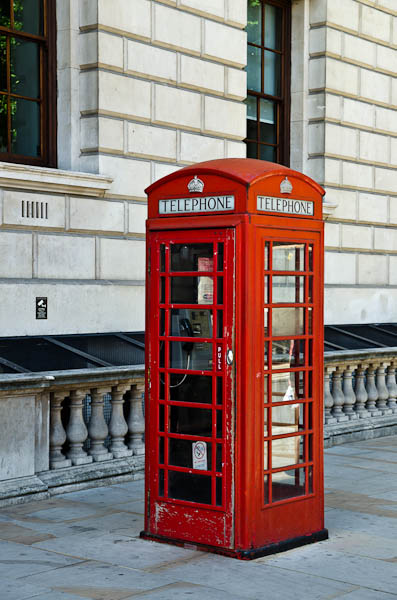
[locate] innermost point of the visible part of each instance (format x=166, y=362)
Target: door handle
x=229, y=357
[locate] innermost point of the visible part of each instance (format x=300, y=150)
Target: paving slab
x=18, y=560
x=94, y=575
x=319, y=560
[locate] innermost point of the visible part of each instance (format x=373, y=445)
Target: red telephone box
x=234, y=411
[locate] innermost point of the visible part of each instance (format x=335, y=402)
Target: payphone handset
x=192, y=323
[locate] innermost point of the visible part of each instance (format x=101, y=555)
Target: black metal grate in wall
x=63, y=352
x=360, y=337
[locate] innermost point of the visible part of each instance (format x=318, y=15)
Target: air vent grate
x=34, y=210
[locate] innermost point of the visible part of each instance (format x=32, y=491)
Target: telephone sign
x=234, y=453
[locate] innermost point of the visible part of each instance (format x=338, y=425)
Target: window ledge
x=328, y=208
x=43, y=179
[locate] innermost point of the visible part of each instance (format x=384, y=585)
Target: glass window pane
x=25, y=68
x=265, y=422
x=220, y=290
x=287, y=321
x=252, y=118
x=3, y=124
x=28, y=16
x=273, y=27
x=288, y=484
x=288, y=353
x=191, y=356
x=162, y=322
x=189, y=420
x=187, y=322
x=219, y=463
x=287, y=419
x=161, y=482
x=192, y=290
x=219, y=390
x=288, y=289
x=268, y=119
x=162, y=290
x=162, y=258
x=266, y=321
x=190, y=487
x=266, y=489
x=3, y=63
x=180, y=453
x=193, y=388
x=272, y=83
x=288, y=256
x=25, y=127
x=254, y=22
x=265, y=389
x=219, y=491
x=287, y=387
x=161, y=450
x=220, y=324
x=220, y=256
x=287, y=451
x=265, y=455
x=192, y=257
x=5, y=13
x=267, y=153
x=252, y=150
x=266, y=257
x=254, y=69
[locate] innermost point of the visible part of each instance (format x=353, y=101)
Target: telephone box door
x=191, y=453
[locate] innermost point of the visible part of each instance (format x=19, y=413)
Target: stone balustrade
x=360, y=394
x=78, y=440
x=66, y=429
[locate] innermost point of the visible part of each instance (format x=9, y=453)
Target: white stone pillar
x=328, y=399
x=118, y=427
x=136, y=423
x=372, y=392
x=97, y=428
x=383, y=392
x=76, y=430
x=337, y=395
x=57, y=432
x=361, y=392
x=348, y=392
x=392, y=387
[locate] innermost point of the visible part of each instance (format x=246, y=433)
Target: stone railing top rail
x=54, y=379
x=365, y=355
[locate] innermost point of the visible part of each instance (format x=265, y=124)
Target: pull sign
x=199, y=454
x=219, y=357
x=41, y=308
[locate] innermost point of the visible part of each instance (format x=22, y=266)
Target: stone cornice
x=43, y=179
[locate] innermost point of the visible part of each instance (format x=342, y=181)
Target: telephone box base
x=249, y=554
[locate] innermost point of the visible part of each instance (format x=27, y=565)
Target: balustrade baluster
x=328, y=399
x=392, y=387
x=361, y=392
x=383, y=392
x=57, y=432
x=348, y=392
x=118, y=427
x=97, y=428
x=76, y=430
x=372, y=392
x=136, y=423
x=338, y=396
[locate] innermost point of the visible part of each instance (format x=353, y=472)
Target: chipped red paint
x=236, y=518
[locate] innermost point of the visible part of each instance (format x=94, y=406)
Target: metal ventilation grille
x=360, y=337
x=64, y=352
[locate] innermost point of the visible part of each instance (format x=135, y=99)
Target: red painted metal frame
x=257, y=528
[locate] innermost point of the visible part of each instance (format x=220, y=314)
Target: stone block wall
x=161, y=86
x=351, y=150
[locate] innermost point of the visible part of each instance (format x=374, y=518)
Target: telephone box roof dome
x=244, y=170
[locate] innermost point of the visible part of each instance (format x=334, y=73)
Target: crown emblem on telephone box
x=286, y=186
x=195, y=185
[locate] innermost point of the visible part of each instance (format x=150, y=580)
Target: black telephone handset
x=186, y=330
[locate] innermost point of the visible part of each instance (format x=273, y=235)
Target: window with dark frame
x=28, y=82
x=268, y=80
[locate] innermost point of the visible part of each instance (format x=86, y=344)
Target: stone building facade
x=145, y=87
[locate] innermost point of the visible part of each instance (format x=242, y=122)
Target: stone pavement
x=85, y=545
